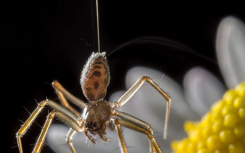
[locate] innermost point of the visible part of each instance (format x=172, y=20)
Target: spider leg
x=103, y=132
x=124, y=99
x=67, y=120
x=65, y=103
x=103, y=138
x=62, y=93
x=43, y=134
x=138, y=128
x=28, y=123
x=139, y=122
x=111, y=125
x=71, y=133
x=122, y=143
x=89, y=136
x=61, y=111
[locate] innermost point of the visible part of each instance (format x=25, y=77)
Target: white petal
x=230, y=46
x=152, y=98
x=202, y=89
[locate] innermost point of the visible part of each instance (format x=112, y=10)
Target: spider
x=97, y=113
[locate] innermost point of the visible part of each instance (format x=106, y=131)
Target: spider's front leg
x=61, y=112
x=124, y=99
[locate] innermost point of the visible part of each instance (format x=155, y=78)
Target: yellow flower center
x=222, y=130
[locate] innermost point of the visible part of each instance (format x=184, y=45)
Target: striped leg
x=66, y=120
x=138, y=128
x=28, y=123
x=124, y=99
x=139, y=122
x=43, y=134
x=62, y=94
x=122, y=143
x=69, y=138
x=62, y=112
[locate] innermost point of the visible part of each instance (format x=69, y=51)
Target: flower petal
x=202, y=89
x=230, y=47
x=149, y=94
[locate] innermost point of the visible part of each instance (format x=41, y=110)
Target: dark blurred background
x=44, y=41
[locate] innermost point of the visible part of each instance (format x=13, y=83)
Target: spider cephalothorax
x=96, y=115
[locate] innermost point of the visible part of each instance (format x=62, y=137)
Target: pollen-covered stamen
x=220, y=130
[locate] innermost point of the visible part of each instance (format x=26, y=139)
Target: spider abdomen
x=95, y=77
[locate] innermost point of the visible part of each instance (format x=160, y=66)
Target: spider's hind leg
x=138, y=122
x=138, y=128
x=122, y=143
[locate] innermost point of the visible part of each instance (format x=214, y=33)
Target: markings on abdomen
x=88, y=89
x=98, y=63
x=96, y=73
x=96, y=85
x=106, y=81
x=97, y=67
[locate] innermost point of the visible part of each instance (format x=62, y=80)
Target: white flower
x=200, y=90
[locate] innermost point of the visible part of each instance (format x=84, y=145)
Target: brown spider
x=97, y=113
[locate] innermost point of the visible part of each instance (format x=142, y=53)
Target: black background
x=45, y=41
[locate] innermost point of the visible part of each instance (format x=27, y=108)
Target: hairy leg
x=124, y=99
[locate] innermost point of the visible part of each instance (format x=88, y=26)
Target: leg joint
x=68, y=140
x=51, y=114
x=18, y=135
x=149, y=128
x=146, y=78
x=43, y=103
x=55, y=83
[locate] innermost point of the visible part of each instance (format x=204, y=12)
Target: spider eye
x=91, y=124
x=95, y=124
